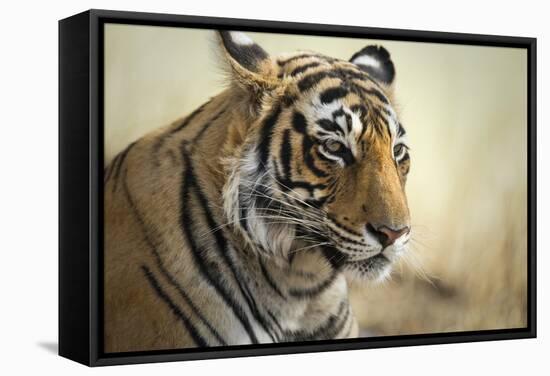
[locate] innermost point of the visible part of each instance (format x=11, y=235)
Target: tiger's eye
x=334, y=146
x=398, y=149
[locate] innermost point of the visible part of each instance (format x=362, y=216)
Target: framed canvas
x=235, y=187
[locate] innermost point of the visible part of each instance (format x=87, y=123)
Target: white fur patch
x=241, y=38
x=366, y=60
x=356, y=124
x=264, y=228
x=392, y=125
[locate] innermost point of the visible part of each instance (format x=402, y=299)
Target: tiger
x=246, y=221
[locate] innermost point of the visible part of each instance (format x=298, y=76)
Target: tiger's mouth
x=368, y=268
x=359, y=257
x=367, y=256
x=367, y=262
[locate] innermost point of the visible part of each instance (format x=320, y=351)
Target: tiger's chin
x=373, y=269
x=376, y=268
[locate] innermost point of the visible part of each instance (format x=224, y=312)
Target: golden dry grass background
x=465, y=110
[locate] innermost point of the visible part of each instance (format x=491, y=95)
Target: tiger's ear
x=376, y=61
x=250, y=66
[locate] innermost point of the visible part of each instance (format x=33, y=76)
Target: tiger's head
x=322, y=159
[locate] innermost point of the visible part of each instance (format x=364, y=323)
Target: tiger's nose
x=387, y=236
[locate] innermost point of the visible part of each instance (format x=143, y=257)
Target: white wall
x=28, y=278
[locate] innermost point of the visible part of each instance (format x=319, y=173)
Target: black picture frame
x=80, y=185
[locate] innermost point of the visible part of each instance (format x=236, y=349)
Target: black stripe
x=400, y=130
x=364, y=125
x=313, y=79
x=331, y=331
x=307, y=144
x=184, y=123
x=299, y=122
x=270, y=280
x=266, y=134
x=303, y=68
x=208, y=270
x=199, y=340
x=286, y=154
x=363, y=91
x=380, y=122
x=151, y=244
x=348, y=75
x=359, y=108
x=345, y=238
x=243, y=212
x=333, y=94
x=316, y=203
x=189, y=118
x=207, y=125
x=288, y=99
x=223, y=250
x=329, y=126
x=287, y=184
x=309, y=81
x=330, y=328
x=387, y=112
x=378, y=115
x=277, y=324
x=302, y=184
x=339, y=112
x=334, y=257
x=118, y=167
x=364, y=111
x=378, y=94
x=352, y=249
x=344, y=227
x=311, y=292
x=293, y=58
x=349, y=122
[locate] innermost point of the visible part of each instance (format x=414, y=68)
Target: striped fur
x=243, y=222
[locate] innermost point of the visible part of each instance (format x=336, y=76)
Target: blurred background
x=465, y=111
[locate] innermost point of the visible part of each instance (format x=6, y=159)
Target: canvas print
x=281, y=188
